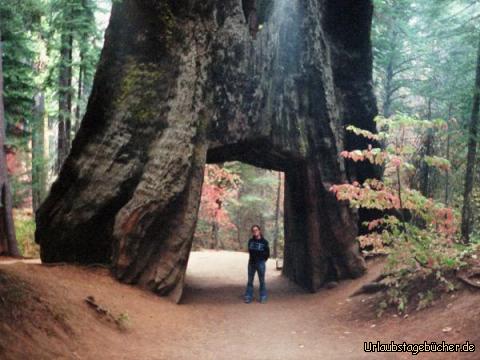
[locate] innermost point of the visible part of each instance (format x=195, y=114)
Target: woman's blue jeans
x=260, y=268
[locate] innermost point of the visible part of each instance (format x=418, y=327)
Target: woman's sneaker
x=263, y=299
x=247, y=300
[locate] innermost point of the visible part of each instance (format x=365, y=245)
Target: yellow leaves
x=374, y=155
x=374, y=240
x=438, y=162
x=365, y=133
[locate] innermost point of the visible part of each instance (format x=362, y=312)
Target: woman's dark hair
x=256, y=226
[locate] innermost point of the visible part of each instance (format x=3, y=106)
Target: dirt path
x=214, y=323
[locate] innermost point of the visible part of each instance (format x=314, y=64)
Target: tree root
x=104, y=313
x=371, y=256
x=370, y=288
x=467, y=275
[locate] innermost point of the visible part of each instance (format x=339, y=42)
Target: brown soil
x=47, y=317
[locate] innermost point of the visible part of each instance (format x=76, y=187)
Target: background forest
x=426, y=55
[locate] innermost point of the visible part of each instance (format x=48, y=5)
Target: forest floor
x=43, y=315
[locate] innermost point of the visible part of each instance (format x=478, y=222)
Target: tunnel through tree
x=236, y=196
x=181, y=84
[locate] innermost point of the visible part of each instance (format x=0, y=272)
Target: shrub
x=25, y=230
x=424, y=246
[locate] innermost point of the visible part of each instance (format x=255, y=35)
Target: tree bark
x=64, y=97
x=215, y=240
x=425, y=183
x=471, y=157
x=389, y=89
x=447, y=154
x=184, y=83
x=80, y=86
x=277, y=216
x=38, y=149
x=8, y=241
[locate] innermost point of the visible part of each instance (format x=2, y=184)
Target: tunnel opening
x=303, y=253
x=235, y=196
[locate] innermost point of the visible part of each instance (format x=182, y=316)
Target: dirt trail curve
x=214, y=323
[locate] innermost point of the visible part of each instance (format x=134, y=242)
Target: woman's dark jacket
x=258, y=249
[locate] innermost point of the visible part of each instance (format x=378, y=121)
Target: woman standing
x=259, y=253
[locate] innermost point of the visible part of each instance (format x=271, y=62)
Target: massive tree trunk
x=183, y=83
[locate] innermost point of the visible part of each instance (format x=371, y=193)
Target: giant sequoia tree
x=183, y=83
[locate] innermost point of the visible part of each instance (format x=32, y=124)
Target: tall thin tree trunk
x=65, y=99
x=389, y=88
x=216, y=227
x=38, y=150
x=387, y=103
x=425, y=179
x=261, y=191
x=69, y=93
x=81, y=72
x=8, y=241
x=215, y=234
x=471, y=157
x=447, y=155
x=240, y=222
x=277, y=216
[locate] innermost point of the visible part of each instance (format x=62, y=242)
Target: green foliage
x=73, y=19
x=123, y=321
x=18, y=21
x=31, y=35
x=424, y=50
x=424, y=66
x=25, y=230
x=415, y=289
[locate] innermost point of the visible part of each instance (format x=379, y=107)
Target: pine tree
x=74, y=30
x=18, y=20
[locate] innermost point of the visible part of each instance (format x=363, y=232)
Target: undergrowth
x=419, y=234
